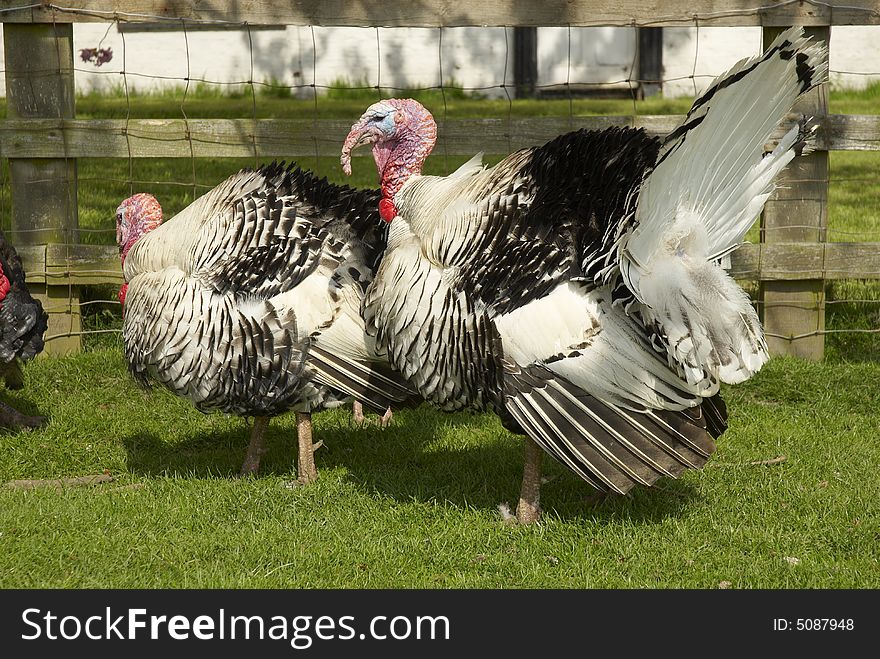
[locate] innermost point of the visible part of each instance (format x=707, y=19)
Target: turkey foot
x=528, y=510
x=357, y=413
x=257, y=447
x=12, y=418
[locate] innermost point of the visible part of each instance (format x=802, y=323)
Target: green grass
x=273, y=102
x=415, y=505
x=854, y=197
x=856, y=101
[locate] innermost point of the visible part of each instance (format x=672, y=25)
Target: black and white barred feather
x=559, y=290
x=248, y=301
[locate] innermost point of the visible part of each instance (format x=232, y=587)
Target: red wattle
x=4, y=286
x=122, y=291
x=387, y=211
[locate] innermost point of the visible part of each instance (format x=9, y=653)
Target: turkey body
x=575, y=289
x=22, y=325
x=248, y=301
x=502, y=311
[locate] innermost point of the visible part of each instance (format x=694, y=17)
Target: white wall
x=853, y=49
x=473, y=57
x=602, y=56
x=480, y=59
x=477, y=58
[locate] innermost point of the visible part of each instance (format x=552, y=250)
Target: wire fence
x=179, y=133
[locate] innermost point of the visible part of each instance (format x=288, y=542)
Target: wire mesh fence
x=172, y=103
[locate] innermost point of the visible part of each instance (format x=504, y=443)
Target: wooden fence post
x=798, y=212
x=40, y=84
x=525, y=61
x=650, y=61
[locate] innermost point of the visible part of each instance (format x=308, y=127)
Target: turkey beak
x=119, y=236
x=361, y=133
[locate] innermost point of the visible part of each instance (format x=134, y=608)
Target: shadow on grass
x=485, y=475
x=207, y=455
x=220, y=454
x=423, y=456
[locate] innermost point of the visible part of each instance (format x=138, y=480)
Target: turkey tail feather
x=715, y=412
x=608, y=446
x=362, y=380
x=710, y=182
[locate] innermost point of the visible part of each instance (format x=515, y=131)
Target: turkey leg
x=256, y=448
x=306, y=471
x=528, y=509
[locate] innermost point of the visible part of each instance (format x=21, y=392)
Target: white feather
x=471, y=167
x=311, y=302
x=699, y=202
x=582, y=337
x=545, y=327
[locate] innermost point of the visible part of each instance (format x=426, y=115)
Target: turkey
x=248, y=300
x=22, y=325
x=575, y=289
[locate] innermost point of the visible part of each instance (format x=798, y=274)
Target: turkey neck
x=401, y=161
x=145, y=222
x=129, y=244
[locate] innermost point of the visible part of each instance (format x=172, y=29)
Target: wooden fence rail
x=457, y=13
x=77, y=265
x=271, y=138
x=44, y=141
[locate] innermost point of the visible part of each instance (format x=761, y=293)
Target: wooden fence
x=42, y=139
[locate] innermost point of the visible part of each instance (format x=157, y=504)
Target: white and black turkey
x=22, y=325
x=248, y=300
x=575, y=288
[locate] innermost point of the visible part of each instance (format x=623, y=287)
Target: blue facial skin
x=384, y=121
x=387, y=123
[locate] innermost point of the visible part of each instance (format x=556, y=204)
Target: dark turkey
x=22, y=325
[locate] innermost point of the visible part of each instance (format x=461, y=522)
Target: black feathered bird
x=22, y=325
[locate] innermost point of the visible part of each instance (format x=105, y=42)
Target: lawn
x=415, y=505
